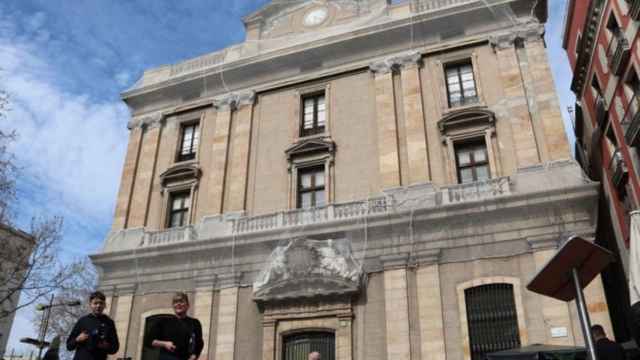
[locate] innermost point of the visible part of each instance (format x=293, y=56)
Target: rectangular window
x=313, y=114
x=472, y=162
x=461, y=86
x=311, y=187
x=179, y=204
x=190, y=135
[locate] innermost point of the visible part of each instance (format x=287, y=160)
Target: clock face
x=315, y=17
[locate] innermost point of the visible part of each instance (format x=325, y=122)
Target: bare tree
x=62, y=318
x=30, y=265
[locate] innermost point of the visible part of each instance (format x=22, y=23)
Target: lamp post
x=44, y=324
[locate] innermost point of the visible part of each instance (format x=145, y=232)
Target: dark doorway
x=149, y=353
x=298, y=346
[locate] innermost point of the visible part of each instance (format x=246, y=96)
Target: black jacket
x=609, y=350
x=186, y=335
x=98, y=327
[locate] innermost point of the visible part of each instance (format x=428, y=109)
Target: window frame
x=464, y=101
x=472, y=144
x=194, y=145
x=313, y=188
x=315, y=129
x=187, y=211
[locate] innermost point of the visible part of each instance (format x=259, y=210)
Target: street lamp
x=44, y=324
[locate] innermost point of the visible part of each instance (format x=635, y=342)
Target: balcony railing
x=169, y=236
x=618, y=52
x=476, y=190
x=618, y=170
x=601, y=112
x=634, y=9
x=631, y=120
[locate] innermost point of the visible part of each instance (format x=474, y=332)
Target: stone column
x=388, y=156
x=122, y=317
x=493, y=159
x=128, y=176
x=396, y=307
x=145, y=172
x=268, y=339
x=202, y=310
x=547, y=114
x=418, y=157
x=555, y=313
x=227, y=317
x=239, y=163
x=430, y=306
x=514, y=104
x=219, y=156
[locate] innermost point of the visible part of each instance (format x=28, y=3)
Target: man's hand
x=168, y=345
x=82, y=337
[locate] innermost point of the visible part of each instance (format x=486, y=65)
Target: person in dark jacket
x=94, y=335
x=179, y=337
x=605, y=348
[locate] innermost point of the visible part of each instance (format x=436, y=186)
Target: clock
x=315, y=17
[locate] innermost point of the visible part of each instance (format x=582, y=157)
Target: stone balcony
x=400, y=200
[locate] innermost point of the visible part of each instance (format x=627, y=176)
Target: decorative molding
x=234, y=101
x=229, y=280
x=205, y=283
x=543, y=242
x=181, y=173
x=412, y=58
x=394, y=261
x=151, y=120
x=126, y=289
x=409, y=59
x=381, y=66
x=467, y=117
x=427, y=257
x=311, y=146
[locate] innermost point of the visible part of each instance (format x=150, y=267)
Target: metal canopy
x=555, y=278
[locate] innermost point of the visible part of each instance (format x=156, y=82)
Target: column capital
x=532, y=32
x=410, y=59
x=503, y=41
x=233, y=101
x=382, y=66
x=394, y=261
x=205, y=283
x=427, y=257
x=229, y=280
x=152, y=120
x=126, y=289
x=543, y=242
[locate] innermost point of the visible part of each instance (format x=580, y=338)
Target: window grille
x=298, y=346
x=492, y=319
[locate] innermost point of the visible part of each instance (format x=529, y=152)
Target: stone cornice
x=531, y=32
x=394, y=261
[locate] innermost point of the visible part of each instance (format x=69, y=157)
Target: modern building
x=370, y=179
x=15, y=246
x=601, y=42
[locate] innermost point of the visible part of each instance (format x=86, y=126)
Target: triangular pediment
x=306, y=268
x=310, y=146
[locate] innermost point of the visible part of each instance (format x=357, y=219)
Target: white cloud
x=123, y=78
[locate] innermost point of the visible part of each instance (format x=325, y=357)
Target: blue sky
x=66, y=62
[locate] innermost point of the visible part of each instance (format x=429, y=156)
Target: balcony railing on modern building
x=601, y=112
x=618, y=52
x=618, y=168
x=634, y=9
x=631, y=121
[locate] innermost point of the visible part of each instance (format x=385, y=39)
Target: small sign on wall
x=557, y=332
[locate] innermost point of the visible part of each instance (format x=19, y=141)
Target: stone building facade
x=376, y=180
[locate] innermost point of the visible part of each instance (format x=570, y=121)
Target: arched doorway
x=298, y=346
x=149, y=353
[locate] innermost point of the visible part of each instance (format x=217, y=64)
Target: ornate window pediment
x=306, y=268
x=465, y=118
x=309, y=147
x=180, y=175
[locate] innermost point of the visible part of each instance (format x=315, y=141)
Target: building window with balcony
x=179, y=204
x=189, y=138
x=618, y=49
x=631, y=119
x=491, y=318
x=313, y=114
x=472, y=162
x=311, y=187
x=461, y=85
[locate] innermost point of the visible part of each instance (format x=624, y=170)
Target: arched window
x=491, y=318
x=149, y=353
x=298, y=346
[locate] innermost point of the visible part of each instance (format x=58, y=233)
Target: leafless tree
x=8, y=168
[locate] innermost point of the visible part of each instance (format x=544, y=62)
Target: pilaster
x=219, y=156
x=128, y=178
x=145, y=170
x=268, y=339
x=396, y=306
x=203, y=309
x=430, y=306
x=226, y=324
x=122, y=317
x=416, y=139
x=239, y=163
x=515, y=101
x=388, y=155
